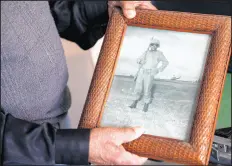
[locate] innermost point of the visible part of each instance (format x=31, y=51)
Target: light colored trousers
x=143, y=85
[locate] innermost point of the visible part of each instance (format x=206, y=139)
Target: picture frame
x=197, y=149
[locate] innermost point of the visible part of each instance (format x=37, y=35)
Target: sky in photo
x=186, y=52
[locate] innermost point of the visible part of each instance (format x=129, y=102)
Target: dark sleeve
x=82, y=22
x=27, y=143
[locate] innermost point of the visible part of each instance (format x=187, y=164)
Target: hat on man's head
x=155, y=41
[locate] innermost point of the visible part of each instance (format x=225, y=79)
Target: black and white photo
x=157, y=81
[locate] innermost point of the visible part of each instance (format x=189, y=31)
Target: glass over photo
x=157, y=82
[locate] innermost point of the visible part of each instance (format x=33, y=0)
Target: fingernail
x=131, y=13
x=139, y=131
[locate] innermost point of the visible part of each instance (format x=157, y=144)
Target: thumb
x=128, y=9
x=128, y=134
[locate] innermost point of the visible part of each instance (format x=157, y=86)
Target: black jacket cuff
x=2, y=126
x=26, y=143
x=72, y=146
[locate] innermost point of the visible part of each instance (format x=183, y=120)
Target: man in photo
x=148, y=69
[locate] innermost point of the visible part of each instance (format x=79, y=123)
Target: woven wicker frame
x=197, y=150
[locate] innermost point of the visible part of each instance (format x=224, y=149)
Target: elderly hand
x=128, y=7
x=106, y=146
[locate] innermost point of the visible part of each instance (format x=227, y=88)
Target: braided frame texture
x=197, y=150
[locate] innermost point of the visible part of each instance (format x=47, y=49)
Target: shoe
x=134, y=104
x=145, y=107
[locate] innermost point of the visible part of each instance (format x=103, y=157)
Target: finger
x=128, y=9
x=125, y=135
x=138, y=160
x=110, y=10
x=111, y=5
x=127, y=158
x=147, y=6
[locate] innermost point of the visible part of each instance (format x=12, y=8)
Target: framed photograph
x=165, y=71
